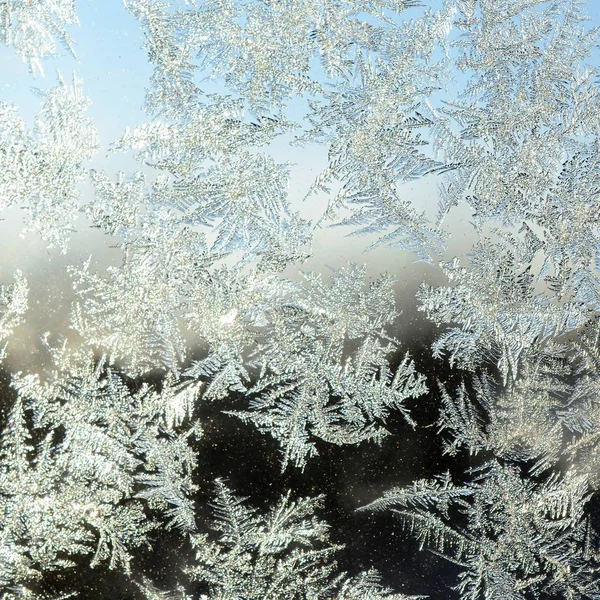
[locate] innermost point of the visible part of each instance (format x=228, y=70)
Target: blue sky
x=110, y=60
x=115, y=71
x=112, y=64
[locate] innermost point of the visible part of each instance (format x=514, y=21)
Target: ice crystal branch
x=311, y=386
x=103, y=451
x=39, y=170
x=13, y=306
x=281, y=554
x=497, y=315
x=92, y=461
x=516, y=538
x=33, y=27
x=526, y=100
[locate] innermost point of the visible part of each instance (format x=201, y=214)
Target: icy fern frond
x=464, y=419
x=496, y=315
x=579, y=413
x=46, y=514
x=367, y=382
x=345, y=308
x=523, y=421
x=218, y=128
x=571, y=258
x=221, y=185
x=293, y=522
x=280, y=554
x=132, y=311
x=16, y=442
x=244, y=199
x=368, y=120
x=438, y=494
x=33, y=27
x=39, y=170
x=118, y=529
x=98, y=413
x=516, y=538
x=172, y=90
x=261, y=555
x=312, y=385
x=170, y=284
x=13, y=306
x=526, y=106
x=371, y=151
x=108, y=457
x=367, y=586
x=232, y=519
x=224, y=372
x=135, y=323
x=373, y=125
x=548, y=414
x=167, y=477
x=264, y=50
x=528, y=419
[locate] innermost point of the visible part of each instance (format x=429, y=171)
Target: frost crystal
x=32, y=26
x=206, y=308
x=79, y=490
x=281, y=554
x=519, y=537
x=499, y=316
x=311, y=386
x=39, y=170
x=13, y=303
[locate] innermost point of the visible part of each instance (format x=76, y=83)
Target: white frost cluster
x=98, y=447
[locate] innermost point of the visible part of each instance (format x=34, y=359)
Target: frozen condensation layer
x=106, y=441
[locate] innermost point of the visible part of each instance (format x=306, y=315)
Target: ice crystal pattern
x=281, y=554
x=33, y=28
x=208, y=299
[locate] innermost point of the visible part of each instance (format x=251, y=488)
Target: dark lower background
x=350, y=477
